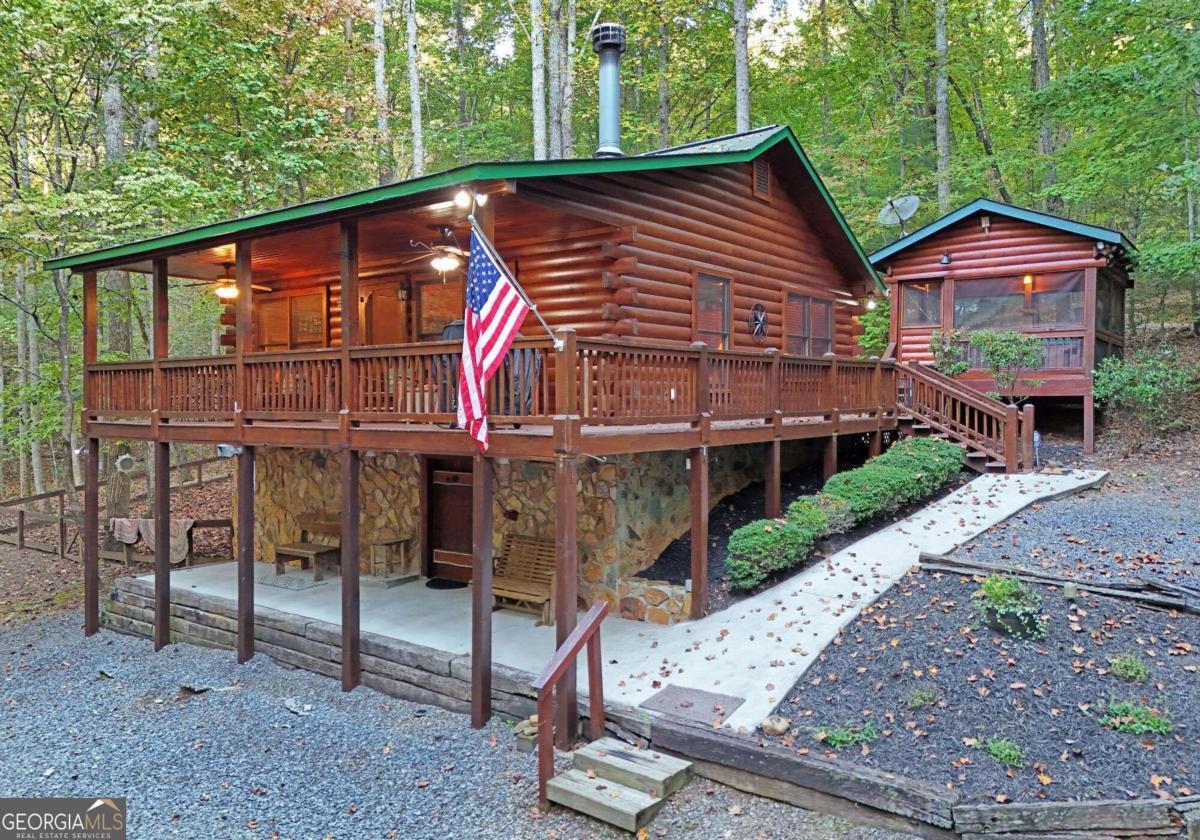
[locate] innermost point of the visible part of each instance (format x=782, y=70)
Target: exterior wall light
x=946, y=258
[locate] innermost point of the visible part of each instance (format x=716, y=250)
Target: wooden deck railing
x=601, y=381
x=1003, y=432
x=586, y=632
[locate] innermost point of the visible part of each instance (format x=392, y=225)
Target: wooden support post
x=244, y=320
x=1027, y=437
x=698, y=491
x=351, y=668
x=62, y=526
x=245, y=554
x=566, y=712
x=771, y=479
x=89, y=339
x=91, y=537
x=160, y=343
x=1011, y=453
x=1089, y=424
x=20, y=527
x=422, y=553
x=350, y=320
x=875, y=447
x=566, y=374
x=830, y=465
x=162, y=545
x=482, y=550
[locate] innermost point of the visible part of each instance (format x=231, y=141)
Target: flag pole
x=487, y=244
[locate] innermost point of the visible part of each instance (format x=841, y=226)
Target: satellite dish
x=897, y=211
x=124, y=463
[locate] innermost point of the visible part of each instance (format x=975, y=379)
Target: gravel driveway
x=108, y=717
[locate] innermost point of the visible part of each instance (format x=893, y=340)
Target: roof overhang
x=380, y=198
x=986, y=205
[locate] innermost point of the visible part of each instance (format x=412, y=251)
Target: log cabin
x=702, y=302
x=994, y=266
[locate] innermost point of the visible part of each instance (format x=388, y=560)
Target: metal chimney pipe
x=608, y=40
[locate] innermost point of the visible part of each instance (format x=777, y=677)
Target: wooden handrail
x=587, y=631
x=964, y=392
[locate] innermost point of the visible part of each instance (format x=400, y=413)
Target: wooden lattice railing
x=1004, y=433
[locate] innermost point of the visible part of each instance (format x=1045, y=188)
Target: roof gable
x=986, y=205
x=732, y=148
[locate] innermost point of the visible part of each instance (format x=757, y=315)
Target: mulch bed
x=1047, y=696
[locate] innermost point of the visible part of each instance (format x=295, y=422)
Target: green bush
x=876, y=325
x=763, y=547
x=805, y=512
x=838, y=517
x=1154, y=385
x=1129, y=667
x=909, y=471
x=840, y=737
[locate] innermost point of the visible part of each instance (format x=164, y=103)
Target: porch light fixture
x=871, y=302
x=443, y=263
x=946, y=258
x=465, y=199
x=1027, y=280
x=227, y=292
x=227, y=283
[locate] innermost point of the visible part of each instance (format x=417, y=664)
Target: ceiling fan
x=444, y=254
x=225, y=284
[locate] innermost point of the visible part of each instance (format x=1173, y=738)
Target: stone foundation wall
x=656, y=601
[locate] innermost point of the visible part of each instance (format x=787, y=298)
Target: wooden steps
x=618, y=784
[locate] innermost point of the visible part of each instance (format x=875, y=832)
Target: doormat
x=296, y=583
x=445, y=583
x=693, y=704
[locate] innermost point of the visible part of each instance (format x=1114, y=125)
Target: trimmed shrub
x=763, y=547
x=805, y=512
x=932, y=462
x=838, y=516
x=910, y=470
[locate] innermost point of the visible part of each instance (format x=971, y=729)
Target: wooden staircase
x=618, y=784
x=998, y=437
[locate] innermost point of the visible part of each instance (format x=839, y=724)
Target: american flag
x=495, y=310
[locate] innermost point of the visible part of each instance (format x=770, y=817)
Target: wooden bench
x=311, y=553
x=523, y=576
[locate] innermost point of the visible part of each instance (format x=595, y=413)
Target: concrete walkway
x=755, y=649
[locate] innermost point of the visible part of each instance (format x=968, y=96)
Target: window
x=808, y=325
x=291, y=321
x=1110, y=306
x=762, y=178
x=712, y=311
x=439, y=302
x=1027, y=301
x=921, y=304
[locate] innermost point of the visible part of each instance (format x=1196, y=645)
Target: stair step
x=976, y=454
x=921, y=427
x=603, y=799
x=996, y=465
x=940, y=436
x=651, y=772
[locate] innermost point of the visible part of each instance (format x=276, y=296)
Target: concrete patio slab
x=755, y=649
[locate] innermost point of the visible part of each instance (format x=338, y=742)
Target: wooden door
x=449, y=549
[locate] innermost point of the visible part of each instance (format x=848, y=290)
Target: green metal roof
x=732, y=148
x=986, y=205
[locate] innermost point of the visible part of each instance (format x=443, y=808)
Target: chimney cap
x=608, y=35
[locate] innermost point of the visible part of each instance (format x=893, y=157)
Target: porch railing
x=601, y=381
x=586, y=632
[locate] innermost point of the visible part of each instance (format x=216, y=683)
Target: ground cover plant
x=1136, y=719
x=1009, y=605
x=1129, y=667
x=844, y=737
x=1005, y=751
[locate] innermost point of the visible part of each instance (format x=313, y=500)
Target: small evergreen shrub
x=1129, y=667
x=841, y=737
x=1005, y=750
x=1154, y=385
x=1131, y=718
x=838, y=517
x=876, y=325
x=1009, y=605
x=763, y=547
x=909, y=471
x=806, y=512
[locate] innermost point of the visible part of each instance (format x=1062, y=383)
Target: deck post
x=91, y=537
x=245, y=554
x=482, y=551
x=771, y=479
x=1027, y=427
x=1089, y=424
x=160, y=344
x=698, y=492
x=875, y=445
x=1010, y=438
x=244, y=320
x=162, y=545
x=348, y=246
x=351, y=669
x=566, y=712
x=829, y=466
x=90, y=340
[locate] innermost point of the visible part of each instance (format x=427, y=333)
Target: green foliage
x=909, y=471
x=1005, y=751
x=842, y=737
x=1007, y=356
x=949, y=353
x=806, y=513
x=1134, y=719
x=919, y=698
x=761, y=548
x=1154, y=385
x=876, y=326
x=838, y=517
x=1129, y=667
x=1011, y=606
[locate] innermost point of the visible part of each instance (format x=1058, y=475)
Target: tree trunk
x=741, y=64
x=23, y=380
x=70, y=427
x=664, y=87
x=942, y=108
x=460, y=54
x=1041, y=77
x=1193, y=215
x=826, y=116
x=414, y=93
x=538, y=86
x=554, y=77
x=568, y=83
x=149, y=133
x=37, y=468
x=383, y=127
x=348, y=69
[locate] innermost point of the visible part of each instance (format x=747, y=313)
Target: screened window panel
x=1110, y=305
x=795, y=319
x=1008, y=303
x=921, y=304
x=712, y=311
x=820, y=317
